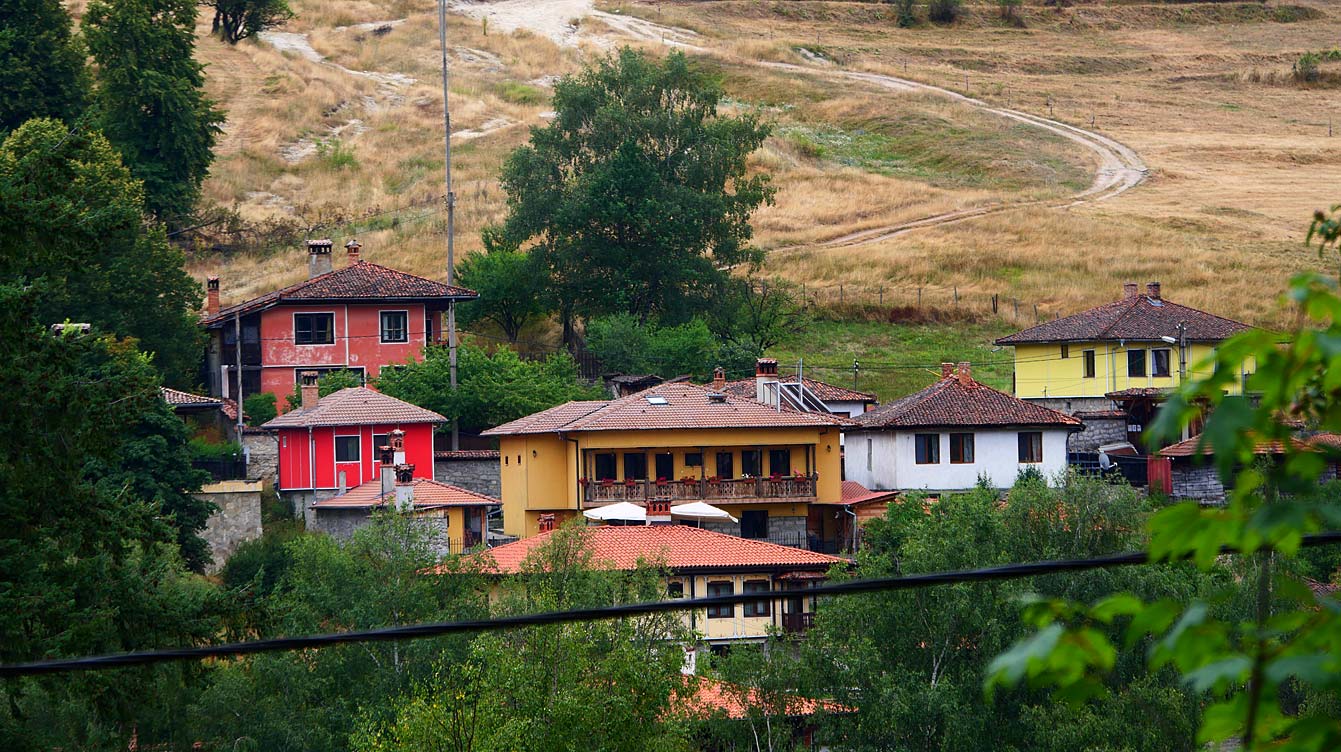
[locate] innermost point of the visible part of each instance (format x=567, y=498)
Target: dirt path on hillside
x=1119, y=167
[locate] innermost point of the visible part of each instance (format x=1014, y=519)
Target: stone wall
x=1072, y=405
x=476, y=471
x=237, y=519
x=341, y=523
x=780, y=529
x=1199, y=482
x=1097, y=432
x=262, y=448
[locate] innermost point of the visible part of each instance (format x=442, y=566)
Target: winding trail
x=1119, y=167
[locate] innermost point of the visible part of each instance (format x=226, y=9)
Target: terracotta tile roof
x=467, y=454
x=1139, y=317
x=952, y=402
x=747, y=389
x=1139, y=391
x=712, y=697
x=1100, y=414
x=855, y=493
x=355, y=406
x=1190, y=448
x=428, y=494
x=176, y=397
x=685, y=406
x=363, y=281
x=680, y=547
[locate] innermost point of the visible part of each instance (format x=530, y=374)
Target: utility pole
x=856, y=369
x=1182, y=353
x=451, y=213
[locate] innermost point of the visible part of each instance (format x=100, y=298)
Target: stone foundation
x=1198, y=482
x=1097, y=432
x=472, y=470
x=262, y=450
x=341, y=524
x=237, y=519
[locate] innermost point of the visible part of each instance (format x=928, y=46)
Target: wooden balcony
x=797, y=623
x=598, y=493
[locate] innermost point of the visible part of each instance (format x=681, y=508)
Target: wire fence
x=917, y=303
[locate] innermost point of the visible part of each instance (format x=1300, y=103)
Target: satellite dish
x=1105, y=462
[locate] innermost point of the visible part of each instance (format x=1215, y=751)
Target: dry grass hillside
x=339, y=116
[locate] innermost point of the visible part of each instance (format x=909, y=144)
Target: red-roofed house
x=797, y=393
x=460, y=516
x=948, y=435
x=702, y=563
x=360, y=317
x=329, y=445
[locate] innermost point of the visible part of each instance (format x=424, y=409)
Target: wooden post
x=995, y=301
x=882, y=294
x=840, y=294
x=1017, y=308
x=1036, y=313
x=919, y=297
x=956, y=296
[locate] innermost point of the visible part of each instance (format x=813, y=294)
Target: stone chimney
x=311, y=392
x=387, y=469
x=318, y=257
x=965, y=372
x=404, y=488
x=765, y=374
x=397, y=438
x=947, y=370
x=718, y=379
x=352, y=248
x=546, y=523
x=1152, y=290
x=1129, y=290
x=212, y=296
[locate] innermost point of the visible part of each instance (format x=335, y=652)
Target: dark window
x=1136, y=362
x=605, y=467
x=313, y=328
x=635, y=466
x=927, y=447
x=675, y=590
x=693, y=459
x=754, y=524
x=759, y=607
x=726, y=610
x=1066, y=351
x=380, y=440
x=750, y=463
x=780, y=461
x=961, y=448
x=665, y=466
x=346, y=449
x=1159, y=362
x=1031, y=446
x=1089, y=363
x=395, y=326
x=725, y=465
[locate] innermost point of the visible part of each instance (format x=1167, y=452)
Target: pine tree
x=41, y=64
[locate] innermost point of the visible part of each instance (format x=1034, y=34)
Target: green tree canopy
x=623, y=344
x=150, y=97
x=235, y=20
x=71, y=225
x=41, y=64
x=636, y=195
x=511, y=288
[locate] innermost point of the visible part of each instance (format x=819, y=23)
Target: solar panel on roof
x=656, y=399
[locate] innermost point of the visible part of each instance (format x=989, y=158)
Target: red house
x=361, y=317
x=329, y=445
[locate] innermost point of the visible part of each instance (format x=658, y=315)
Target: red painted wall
x=357, y=343
x=296, y=471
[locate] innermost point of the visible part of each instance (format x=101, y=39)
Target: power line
x=437, y=629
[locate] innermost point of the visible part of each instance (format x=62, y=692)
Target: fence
x=233, y=467
x=1135, y=470
x=898, y=303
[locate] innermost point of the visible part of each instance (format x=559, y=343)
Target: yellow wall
x=1041, y=371
x=540, y=472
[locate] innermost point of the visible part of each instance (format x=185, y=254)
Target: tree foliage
x=235, y=20
x=328, y=383
x=41, y=64
x=511, y=288
x=71, y=226
x=755, y=314
x=636, y=196
x=624, y=344
x=150, y=98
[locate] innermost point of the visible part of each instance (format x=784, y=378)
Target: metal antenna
x=451, y=212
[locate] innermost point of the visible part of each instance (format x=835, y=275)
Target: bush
x=260, y=408
x=944, y=11
x=1306, y=69
x=336, y=155
x=904, y=10
x=203, y=449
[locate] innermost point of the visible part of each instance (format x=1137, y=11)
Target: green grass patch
x=520, y=93
x=897, y=359
x=409, y=172
x=336, y=155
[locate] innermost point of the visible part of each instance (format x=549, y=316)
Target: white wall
x=886, y=460
x=849, y=409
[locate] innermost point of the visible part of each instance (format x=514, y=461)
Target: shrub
x=1306, y=69
x=260, y=408
x=944, y=11
x=203, y=449
x=1008, y=8
x=904, y=10
x=335, y=155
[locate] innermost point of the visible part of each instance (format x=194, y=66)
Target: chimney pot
x=212, y=296
x=947, y=370
x=310, y=390
x=546, y=523
x=766, y=374
x=1129, y=290
x=318, y=257
x=397, y=438
x=965, y=373
x=387, y=471
x=1152, y=290
x=718, y=379
x=353, y=247
x=404, y=488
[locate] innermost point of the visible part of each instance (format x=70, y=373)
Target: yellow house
x=700, y=563
x=675, y=443
x=460, y=516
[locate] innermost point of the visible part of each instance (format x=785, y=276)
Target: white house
x=795, y=392
x=946, y=436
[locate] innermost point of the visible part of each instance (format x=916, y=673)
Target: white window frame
x=381, y=329
x=358, y=445
x=294, y=322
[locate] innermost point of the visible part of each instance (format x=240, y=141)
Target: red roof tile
x=1140, y=317
x=952, y=402
x=428, y=494
x=363, y=281
x=355, y=406
x=855, y=493
x=176, y=397
x=680, y=547
x=711, y=697
x=747, y=389
x=1190, y=447
x=1139, y=391
x=685, y=406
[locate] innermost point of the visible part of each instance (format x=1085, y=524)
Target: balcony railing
x=786, y=487
x=797, y=623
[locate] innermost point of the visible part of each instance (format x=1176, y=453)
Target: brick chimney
x=1129, y=290
x=718, y=379
x=311, y=392
x=1152, y=290
x=318, y=257
x=546, y=523
x=766, y=373
x=397, y=438
x=212, y=296
x=387, y=469
x=965, y=372
x=404, y=488
x=352, y=248
x=947, y=370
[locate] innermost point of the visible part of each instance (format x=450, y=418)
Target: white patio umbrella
x=699, y=510
x=624, y=511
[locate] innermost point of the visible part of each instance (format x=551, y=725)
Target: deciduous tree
x=511, y=288
x=235, y=20
x=42, y=70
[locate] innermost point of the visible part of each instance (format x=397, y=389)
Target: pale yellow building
x=770, y=468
